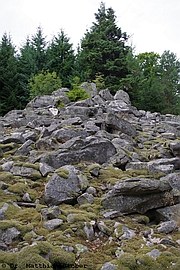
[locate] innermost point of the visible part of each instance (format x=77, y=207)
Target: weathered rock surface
x=64, y=186
x=89, y=184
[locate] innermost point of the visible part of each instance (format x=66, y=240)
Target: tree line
x=103, y=56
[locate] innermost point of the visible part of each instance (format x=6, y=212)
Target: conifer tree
x=60, y=55
x=9, y=80
x=103, y=50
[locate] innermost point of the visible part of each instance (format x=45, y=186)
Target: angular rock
x=45, y=169
x=91, y=149
x=122, y=95
x=137, y=186
x=85, y=198
x=3, y=210
x=64, y=188
x=25, y=148
x=89, y=231
x=109, y=266
x=52, y=224
x=105, y=95
x=50, y=213
x=90, y=88
x=16, y=137
x=167, y=227
x=9, y=235
x=155, y=253
x=139, y=195
x=65, y=134
x=115, y=123
x=175, y=148
x=173, y=179
x=168, y=213
x=25, y=171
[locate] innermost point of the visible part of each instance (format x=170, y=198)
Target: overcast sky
x=153, y=25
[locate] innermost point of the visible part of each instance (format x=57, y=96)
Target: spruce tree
x=60, y=55
x=39, y=50
x=103, y=50
x=9, y=80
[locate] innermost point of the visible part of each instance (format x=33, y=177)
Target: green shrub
x=77, y=93
x=44, y=83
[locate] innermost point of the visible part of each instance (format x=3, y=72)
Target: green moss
x=6, y=177
x=8, y=258
x=166, y=259
x=4, y=266
x=5, y=224
x=8, y=197
x=145, y=262
x=63, y=173
x=61, y=258
x=28, y=165
x=19, y=188
x=127, y=260
x=29, y=215
x=32, y=261
x=142, y=219
x=8, y=146
x=176, y=265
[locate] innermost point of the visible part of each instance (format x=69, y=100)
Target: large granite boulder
x=91, y=149
x=139, y=195
x=64, y=186
x=115, y=123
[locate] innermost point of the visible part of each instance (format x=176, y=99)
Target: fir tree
x=61, y=58
x=103, y=50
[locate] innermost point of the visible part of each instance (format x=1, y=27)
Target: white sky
x=153, y=25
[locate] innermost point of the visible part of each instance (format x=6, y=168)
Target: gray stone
x=16, y=137
x=109, y=266
x=165, y=165
x=155, y=253
x=90, y=88
x=85, y=198
x=89, y=231
x=122, y=95
x=136, y=204
x=3, y=210
x=80, y=111
x=91, y=149
x=65, y=134
x=9, y=235
x=25, y=148
x=106, y=95
x=167, y=227
x=7, y=166
x=127, y=233
x=50, y=212
x=45, y=169
x=43, y=101
x=175, y=148
x=52, y=224
x=137, y=186
x=168, y=213
x=45, y=144
x=91, y=190
x=59, y=189
x=25, y=172
x=173, y=179
x=115, y=123
x=26, y=197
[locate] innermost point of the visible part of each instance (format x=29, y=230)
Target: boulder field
x=92, y=184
